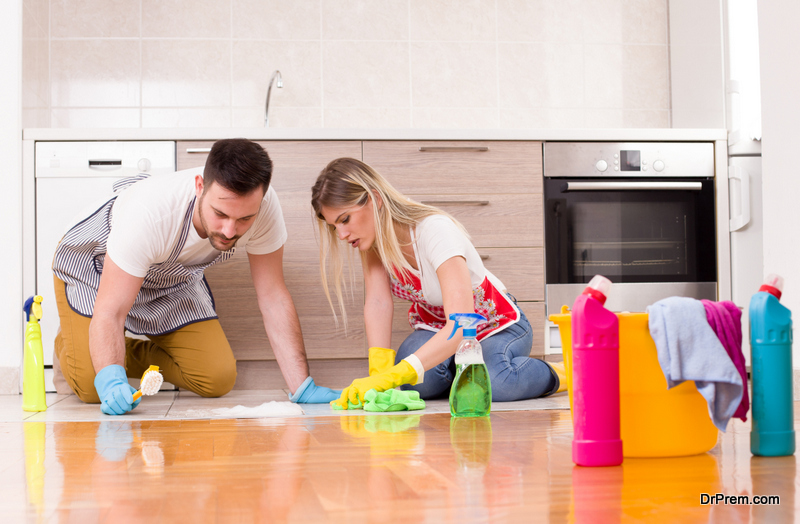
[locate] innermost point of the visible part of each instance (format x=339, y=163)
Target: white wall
x=779, y=41
x=11, y=194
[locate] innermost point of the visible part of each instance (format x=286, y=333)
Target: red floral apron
x=489, y=302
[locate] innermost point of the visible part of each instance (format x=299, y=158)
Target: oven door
x=653, y=230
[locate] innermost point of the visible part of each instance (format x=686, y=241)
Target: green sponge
x=391, y=400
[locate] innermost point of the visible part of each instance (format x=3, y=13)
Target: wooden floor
x=513, y=467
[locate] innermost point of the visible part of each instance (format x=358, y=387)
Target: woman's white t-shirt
x=148, y=217
x=438, y=239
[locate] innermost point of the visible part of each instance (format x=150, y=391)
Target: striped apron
x=172, y=295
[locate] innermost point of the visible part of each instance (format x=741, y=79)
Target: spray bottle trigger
x=456, y=327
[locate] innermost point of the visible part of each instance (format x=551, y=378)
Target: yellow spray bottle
x=33, y=366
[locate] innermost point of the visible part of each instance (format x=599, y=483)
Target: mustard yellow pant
x=196, y=357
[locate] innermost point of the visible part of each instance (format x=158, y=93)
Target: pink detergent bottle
x=595, y=378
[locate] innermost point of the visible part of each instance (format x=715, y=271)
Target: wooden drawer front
x=456, y=167
x=296, y=167
x=534, y=311
x=495, y=220
x=520, y=269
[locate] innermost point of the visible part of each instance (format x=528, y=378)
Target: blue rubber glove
x=116, y=395
x=310, y=393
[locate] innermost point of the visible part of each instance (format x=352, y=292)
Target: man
x=136, y=262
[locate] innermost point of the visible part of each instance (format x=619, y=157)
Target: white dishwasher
x=71, y=177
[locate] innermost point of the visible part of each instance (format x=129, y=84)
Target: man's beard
x=212, y=236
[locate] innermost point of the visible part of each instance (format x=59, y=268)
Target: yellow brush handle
x=137, y=395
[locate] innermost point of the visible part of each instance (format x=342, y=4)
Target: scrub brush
x=151, y=383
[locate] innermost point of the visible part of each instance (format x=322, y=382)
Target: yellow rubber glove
x=402, y=373
x=380, y=360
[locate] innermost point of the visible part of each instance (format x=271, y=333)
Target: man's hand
x=310, y=393
x=402, y=373
x=116, y=395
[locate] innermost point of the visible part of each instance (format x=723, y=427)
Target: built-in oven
x=641, y=214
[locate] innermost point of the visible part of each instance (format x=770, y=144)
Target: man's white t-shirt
x=147, y=222
x=437, y=239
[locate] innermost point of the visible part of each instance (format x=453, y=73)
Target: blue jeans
x=514, y=375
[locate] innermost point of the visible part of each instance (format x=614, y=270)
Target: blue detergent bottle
x=471, y=392
x=771, y=359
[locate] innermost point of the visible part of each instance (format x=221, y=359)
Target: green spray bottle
x=471, y=392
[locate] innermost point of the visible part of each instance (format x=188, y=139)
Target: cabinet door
x=296, y=165
x=458, y=167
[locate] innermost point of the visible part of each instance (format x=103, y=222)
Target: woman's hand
x=353, y=395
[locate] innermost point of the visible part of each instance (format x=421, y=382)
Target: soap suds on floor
x=267, y=409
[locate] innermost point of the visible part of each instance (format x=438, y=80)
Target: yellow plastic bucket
x=655, y=421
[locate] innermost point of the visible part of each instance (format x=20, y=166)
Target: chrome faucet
x=277, y=74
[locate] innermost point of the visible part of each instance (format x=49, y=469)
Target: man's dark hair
x=238, y=165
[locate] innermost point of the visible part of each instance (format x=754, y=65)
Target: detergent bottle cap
x=33, y=306
x=467, y=321
x=773, y=285
x=598, y=287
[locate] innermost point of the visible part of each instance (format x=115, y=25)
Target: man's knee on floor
x=86, y=392
x=219, y=382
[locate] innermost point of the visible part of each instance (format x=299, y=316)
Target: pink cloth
x=726, y=321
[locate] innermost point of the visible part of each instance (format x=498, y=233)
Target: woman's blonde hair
x=347, y=182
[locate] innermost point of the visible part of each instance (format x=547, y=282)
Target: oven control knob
x=143, y=165
x=601, y=165
x=658, y=165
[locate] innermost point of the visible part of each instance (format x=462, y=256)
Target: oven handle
x=631, y=186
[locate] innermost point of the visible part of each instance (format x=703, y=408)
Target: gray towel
x=688, y=349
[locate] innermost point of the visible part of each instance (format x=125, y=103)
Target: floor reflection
x=512, y=466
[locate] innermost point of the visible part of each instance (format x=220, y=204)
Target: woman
x=421, y=254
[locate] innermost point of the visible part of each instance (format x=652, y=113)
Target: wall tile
x=186, y=117
x=645, y=21
x=35, y=62
x=539, y=21
x=367, y=117
x=541, y=75
x=300, y=64
x=276, y=19
x=602, y=21
x=645, y=77
x=541, y=118
x=40, y=10
x=95, y=18
x=365, y=74
x=186, y=18
x=186, y=73
x=454, y=118
x=603, y=75
x=95, y=73
x=640, y=119
x=454, y=74
x=365, y=19
x=453, y=20
x=36, y=117
x=299, y=117
x=95, y=118
x=603, y=118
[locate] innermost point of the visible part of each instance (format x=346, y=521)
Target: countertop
x=582, y=135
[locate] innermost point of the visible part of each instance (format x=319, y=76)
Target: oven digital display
x=630, y=160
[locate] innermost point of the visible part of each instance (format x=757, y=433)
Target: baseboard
x=265, y=374
x=9, y=381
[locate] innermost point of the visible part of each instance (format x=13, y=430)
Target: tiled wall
x=347, y=63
